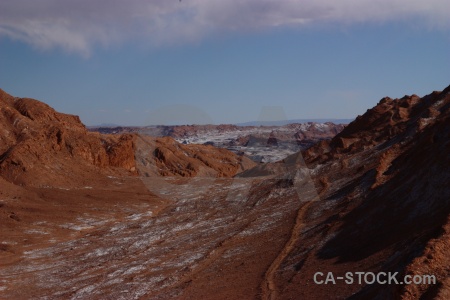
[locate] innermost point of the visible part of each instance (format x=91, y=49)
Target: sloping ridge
x=407, y=207
x=385, y=204
x=40, y=146
x=166, y=157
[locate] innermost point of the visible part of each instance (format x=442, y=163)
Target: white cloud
x=78, y=25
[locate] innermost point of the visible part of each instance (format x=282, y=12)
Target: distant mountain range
x=293, y=121
x=250, y=123
x=250, y=140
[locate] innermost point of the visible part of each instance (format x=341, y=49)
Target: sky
x=142, y=62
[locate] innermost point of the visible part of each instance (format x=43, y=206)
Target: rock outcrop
x=166, y=157
x=384, y=204
x=40, y=146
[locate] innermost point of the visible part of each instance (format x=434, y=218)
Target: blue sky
x=145, y=62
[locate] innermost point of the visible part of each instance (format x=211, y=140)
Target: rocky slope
x=384, y=205
x=40, y=146
x=166, y=157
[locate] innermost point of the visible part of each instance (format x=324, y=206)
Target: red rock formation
x=166, y=157
x=399, y=119
x=383, y=184
x=40, y=146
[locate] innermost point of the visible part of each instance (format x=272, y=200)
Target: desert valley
x=223, y=211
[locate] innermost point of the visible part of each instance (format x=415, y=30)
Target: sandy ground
x=148, y=238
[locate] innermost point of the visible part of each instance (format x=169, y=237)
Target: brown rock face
x=389, y=120
x=383, y=185
x=40, y=146
x=189, y=130
x=384, y=206
x=166, y=157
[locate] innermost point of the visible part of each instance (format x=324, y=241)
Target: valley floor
x=153, y=238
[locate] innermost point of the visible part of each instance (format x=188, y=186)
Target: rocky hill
x=41, y=147
x=384, y=204
x=166, y=157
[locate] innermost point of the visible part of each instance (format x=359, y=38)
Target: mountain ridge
x=42, y=147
